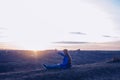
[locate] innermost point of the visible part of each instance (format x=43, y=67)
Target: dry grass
x=87, y=65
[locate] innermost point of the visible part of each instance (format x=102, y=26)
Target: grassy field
x=87, y=65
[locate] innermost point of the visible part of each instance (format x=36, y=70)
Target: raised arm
x=61, y=53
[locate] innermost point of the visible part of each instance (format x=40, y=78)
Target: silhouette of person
x=65, y=64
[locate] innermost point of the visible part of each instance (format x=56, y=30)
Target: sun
x=41, y=24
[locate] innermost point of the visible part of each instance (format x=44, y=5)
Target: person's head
x=65, y=51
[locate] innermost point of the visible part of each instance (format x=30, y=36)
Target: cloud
x=78, y=33
x=107, y=36
x=115, y=45
x=2, y=28
x=70, y=42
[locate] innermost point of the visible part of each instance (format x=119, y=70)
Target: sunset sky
x=58, y=24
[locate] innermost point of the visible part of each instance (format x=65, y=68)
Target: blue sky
x=116, y=2
x=50, y=24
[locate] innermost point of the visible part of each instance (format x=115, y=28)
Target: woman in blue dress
x=65, y=64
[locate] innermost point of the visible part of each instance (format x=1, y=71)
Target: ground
x=87, y=65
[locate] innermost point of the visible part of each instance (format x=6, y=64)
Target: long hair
x=68, y=55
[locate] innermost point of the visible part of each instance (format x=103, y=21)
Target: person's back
x=66, y=60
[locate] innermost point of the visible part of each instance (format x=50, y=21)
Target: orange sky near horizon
x=95, y=46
